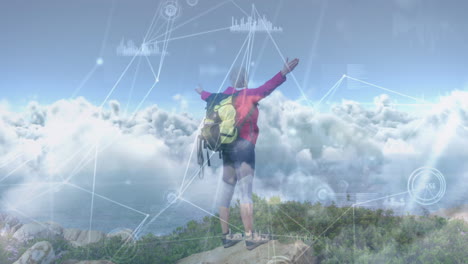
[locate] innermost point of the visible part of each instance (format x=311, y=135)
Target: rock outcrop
x=41, y=253
x=38, y=231
x=273, y=252
x=124, y=234
x=87, y=262
x=50, y=230
x=8, y=225
x=459, y=212
x=79, y=238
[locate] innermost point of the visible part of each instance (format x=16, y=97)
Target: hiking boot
x=230, y=239
x=255, y=240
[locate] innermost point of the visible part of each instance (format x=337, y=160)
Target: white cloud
x=183, y=104
x=374, y=150
x=141, y=158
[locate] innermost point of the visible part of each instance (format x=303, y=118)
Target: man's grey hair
x=239, y=77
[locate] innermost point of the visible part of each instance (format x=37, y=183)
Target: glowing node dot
x=343, y=185
x=192, y=2
x=171, y=197
x=99, y=61
x=322, y=194
x=124, y=248
x=426, y=185
x=170, y=10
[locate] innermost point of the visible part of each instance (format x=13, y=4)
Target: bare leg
x=246, y=211
x=246, y=206
x=224, y=215
x=229, y=178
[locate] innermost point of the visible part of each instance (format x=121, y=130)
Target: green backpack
x=219, y=126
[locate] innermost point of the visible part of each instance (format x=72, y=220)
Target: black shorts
x=241, y=150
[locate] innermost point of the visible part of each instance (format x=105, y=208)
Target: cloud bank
x=48, y=153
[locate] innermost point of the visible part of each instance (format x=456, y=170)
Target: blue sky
x=413, y=47
x=50, y=46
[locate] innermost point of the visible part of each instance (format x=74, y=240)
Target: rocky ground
x=16, y=233
x=42, y=252
x=273, y=252
x=460, y=212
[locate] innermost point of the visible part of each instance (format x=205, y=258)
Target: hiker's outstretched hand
x=289, y=66
x=199, y=89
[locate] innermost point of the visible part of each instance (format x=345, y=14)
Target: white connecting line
x=196, y=206
x=161, y=27
x=388, y=90
x=192, y=35
x=100, y=107
x=85, y=80
x=332, y=89
x=341, y=79
x=145, y=97
x=10, y=158
x=72, y=156
x=164, y=52
x=153, y=23
x=167, y=35
x=79, y=166
x=284, y=60
x=190, y=20
x=93, y=193
x=182, y=189
x=170, y=25
x=103, y=45
x=219, y=89
x=247, y=56
x=121, y=76
x=130, y=93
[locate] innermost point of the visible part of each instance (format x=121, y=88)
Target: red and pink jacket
x=248, y=98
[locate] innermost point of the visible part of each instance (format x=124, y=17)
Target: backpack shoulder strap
x=249, y=114
x=247, y=117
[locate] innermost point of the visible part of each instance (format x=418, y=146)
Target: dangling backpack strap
x=200, y=151
x=207, y=155
x=208, y=158
x=200, y=157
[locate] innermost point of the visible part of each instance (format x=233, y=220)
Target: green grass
x=335, y=235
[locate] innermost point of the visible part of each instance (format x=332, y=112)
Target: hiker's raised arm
x=202, y=93
x=267, y=88
x=289, y=66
